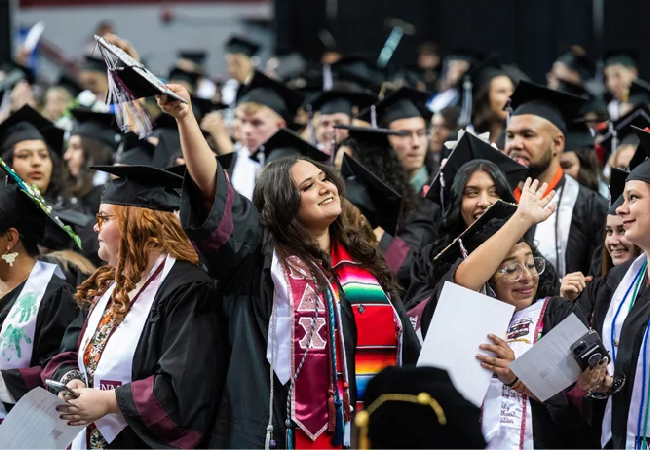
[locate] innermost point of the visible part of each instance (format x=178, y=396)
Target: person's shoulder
x=592, y=196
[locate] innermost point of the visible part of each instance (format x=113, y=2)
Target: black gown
x=557, y=423
x=595, y=300
x=237, y=251
x=179, y=364
x=56, y=311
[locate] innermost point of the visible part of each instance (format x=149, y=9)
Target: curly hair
x=142, y=231
x=383, y=162
x=278, y=201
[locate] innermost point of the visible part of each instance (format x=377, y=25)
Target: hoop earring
x=9, y=257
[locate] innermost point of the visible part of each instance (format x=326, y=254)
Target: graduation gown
x=56, y=311
x=178, y=366
x=588, y=219
x=237, y=251
x=557, y=423
x=595, y=301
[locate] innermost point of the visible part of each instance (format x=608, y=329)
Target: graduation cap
x=403, y=103
x=136, y=151
x=471, y=148
x=370, y=136
x=177, y=74
x=203, y=106
x=241, y=46
x=579, y=63
x=142, y=186
x=624, y=57
x=27, y=124
x=198, y=57
x=273, y=94
x=639, y=93
x=285, y=143
x=557, y=107
x=594, y=103
x=25, y=207
x=643, y=150
x=69, y=83
x=622, y=129
x=361, y=70
x=23, y=72
x=617, y=179
x=417, y=407
x=93, y=64
x=477, y=233
x=225, y=161
x=379, y=203
x=95, y=125
x=332, y=102
x=578, y=137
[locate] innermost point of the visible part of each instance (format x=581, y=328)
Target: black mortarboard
x=471, y=148
x=273, y=94
x=417, y=407
x=578, y=137
x=203, y=106
x=93, y=63
x=178, y=74
x=361, y=70
x=25, y=209
x=69, y=83
x=332, y=102
x=22, y=72
x=242, y=46
x=623, y=128
x=198, y=57
x=625, y=57
x=556, y=107
x=370, y=136
x=579, y=63
x=142, y=186
x=95, y=125
x=617, y=179
x=594, y=103
x=286, y=143
x=639, y=94
x=477, y=233
x=403, y=103
x=136, y=151
x=27, y=124
x=643, y=150
x=225, y=161
x=378, y=202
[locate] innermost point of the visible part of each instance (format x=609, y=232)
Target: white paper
x=33, y=37
x=548, y=367
x=34, y=423
x=462, y=321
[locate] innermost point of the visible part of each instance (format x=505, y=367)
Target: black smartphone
x=589, y=350
x=60, y=387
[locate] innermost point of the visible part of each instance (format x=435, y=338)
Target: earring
x=10, y=257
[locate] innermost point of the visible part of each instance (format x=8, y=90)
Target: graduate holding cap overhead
x=536, y=137
x=280, y=260
x=147, y=316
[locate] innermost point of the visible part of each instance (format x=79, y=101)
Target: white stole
x=507, y=419
x=614, y=306
x=19, y=328
x=115, y=367
x=552, y=245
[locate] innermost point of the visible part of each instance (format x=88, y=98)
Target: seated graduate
x=506, y=263
x=307, y=296
x=620, y=311
x=147, y=355
x=36, y=303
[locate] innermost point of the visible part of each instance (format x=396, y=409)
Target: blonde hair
x=620, y=149
x=142, y=232
x=250, y=108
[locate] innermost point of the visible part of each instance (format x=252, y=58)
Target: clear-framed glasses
x=515, y=271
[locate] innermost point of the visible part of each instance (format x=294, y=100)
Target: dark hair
x=450, y=115
x=383, y=162
x=483, y=117
x=453, y=223
x=57, y=191
x=589, y=172
x=30, y=247
x=278, y=201
x=95, y=153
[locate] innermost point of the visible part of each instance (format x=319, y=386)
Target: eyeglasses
x=515, y=271
x=101, y=218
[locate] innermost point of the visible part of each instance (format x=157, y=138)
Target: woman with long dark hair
x=307, y=296
x=32, y=146
x=146, y=357
x=494, y=87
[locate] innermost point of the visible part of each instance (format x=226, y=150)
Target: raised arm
x=483, y=262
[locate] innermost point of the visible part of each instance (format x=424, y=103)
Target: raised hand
x=573, y=284
x=173, y=107
x=123, y=45
x=533, y=205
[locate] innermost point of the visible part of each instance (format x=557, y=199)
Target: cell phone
x=589, y=350
x=60, y=387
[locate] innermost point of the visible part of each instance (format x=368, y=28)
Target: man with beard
x=536, y=136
